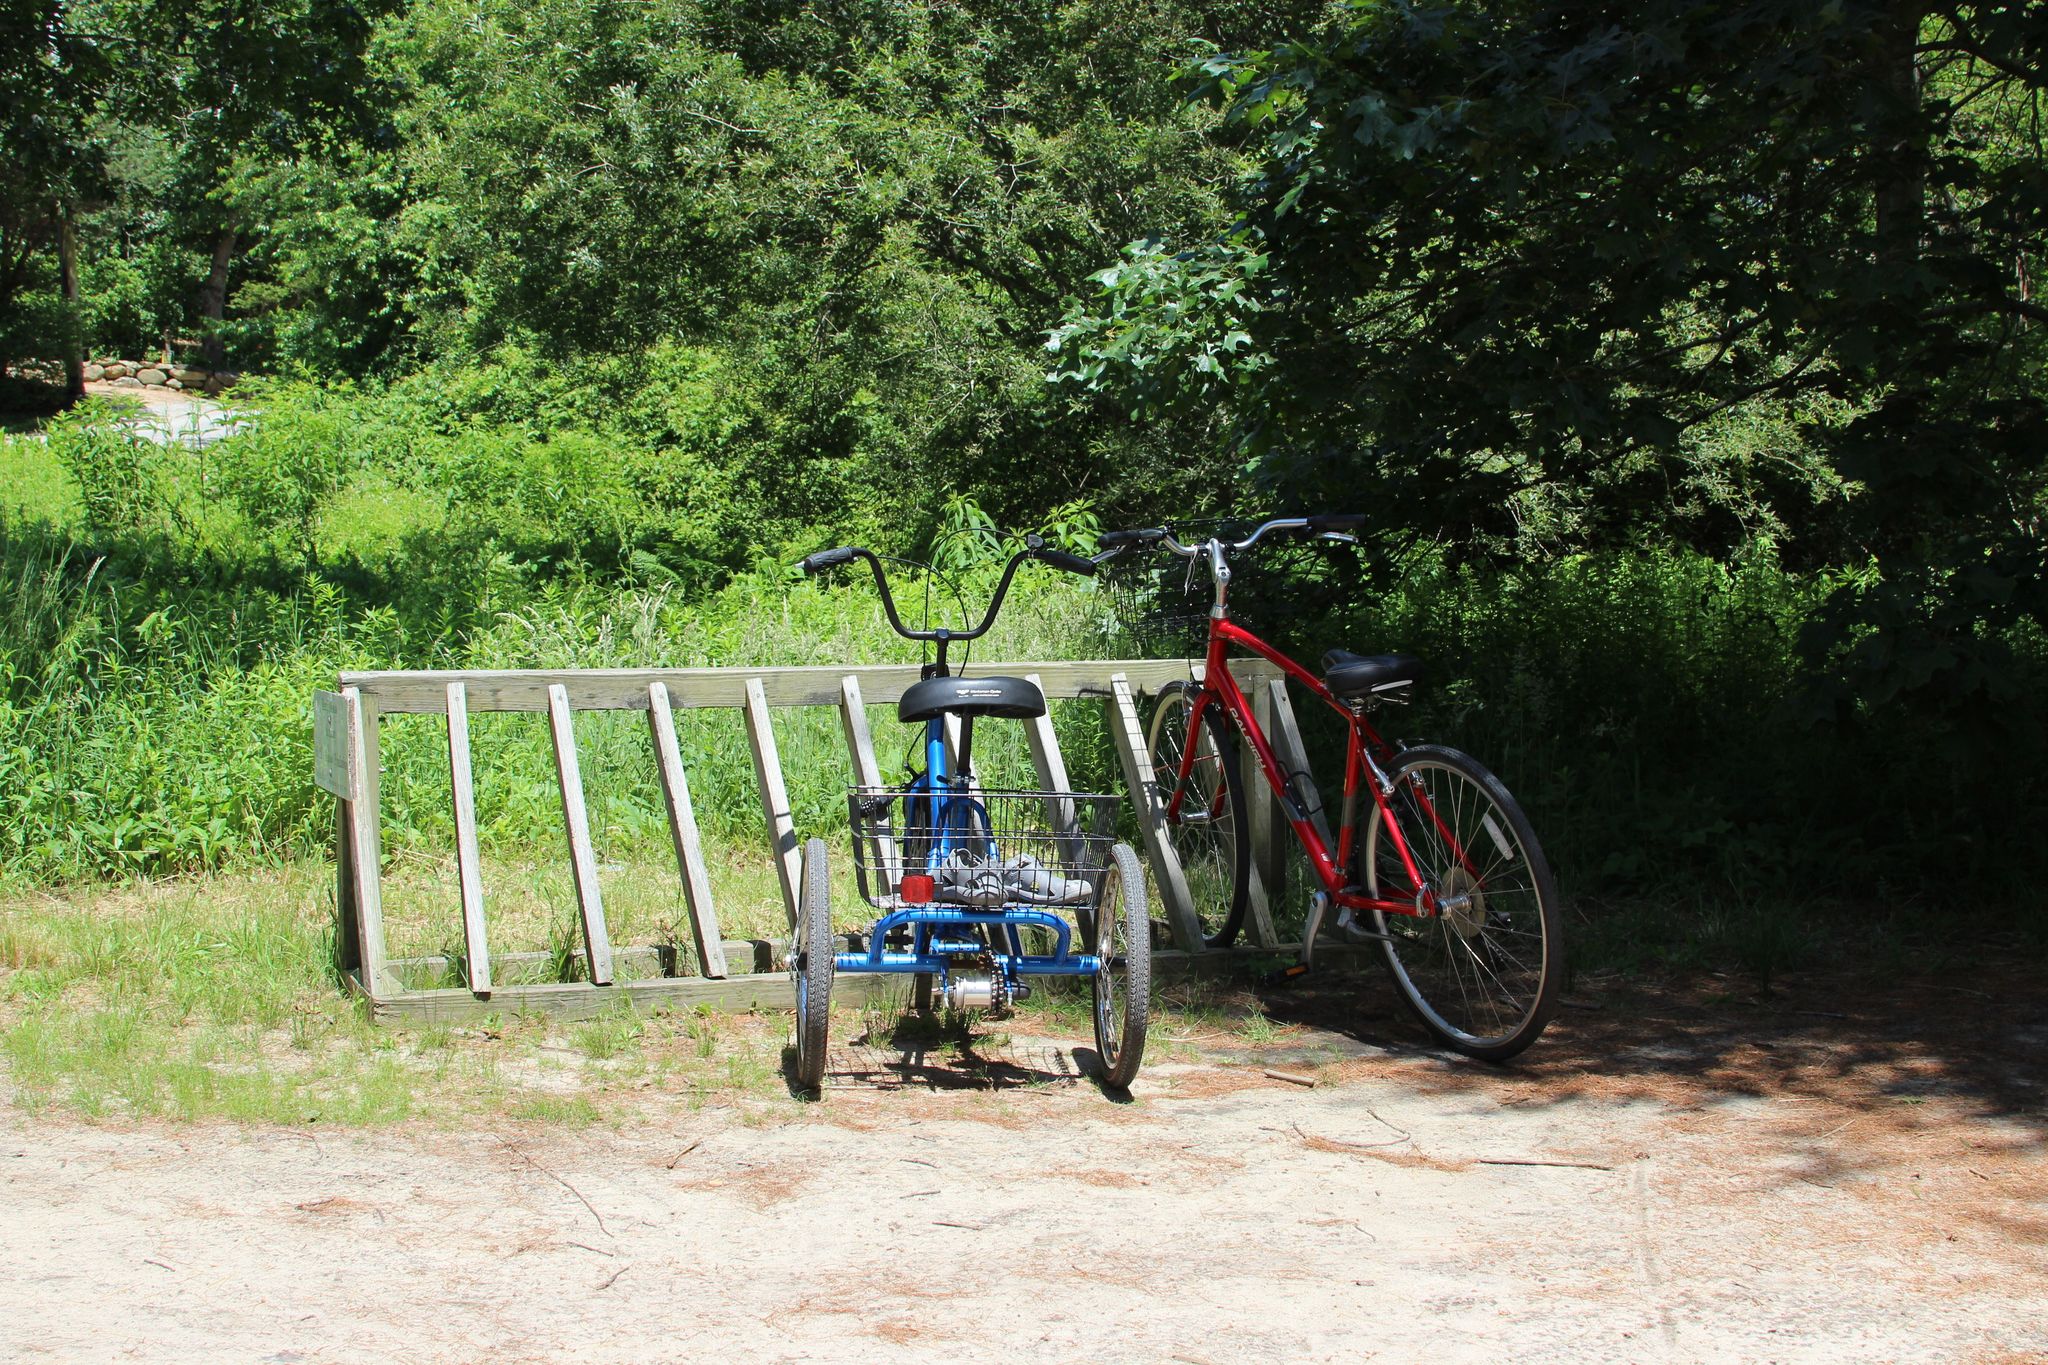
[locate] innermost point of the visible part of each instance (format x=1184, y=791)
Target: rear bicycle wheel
x=1208, y=834
x=1483, y=974
x=1122, y=938
x=811, y=965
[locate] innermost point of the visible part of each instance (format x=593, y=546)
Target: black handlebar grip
x=1060, y=559
x=1338, y=521
x=827, y=559
x=1116, y=540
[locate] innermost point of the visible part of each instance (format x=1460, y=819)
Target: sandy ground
x=1784, y=1184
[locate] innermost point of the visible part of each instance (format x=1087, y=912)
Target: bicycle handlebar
x=1332, y=526
x=1072, y=563
x=827, y=559
x=1034, y=548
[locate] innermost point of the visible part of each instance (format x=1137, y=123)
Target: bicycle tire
x=1122, y=985
x=811, y=967
x=1484, y=975
x=1214, y=855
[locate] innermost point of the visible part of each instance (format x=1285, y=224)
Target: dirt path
x=1772, y=1194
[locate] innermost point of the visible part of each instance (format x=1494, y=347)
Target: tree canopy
x=1530, y=275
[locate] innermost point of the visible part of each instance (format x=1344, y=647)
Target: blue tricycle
x=965, y=876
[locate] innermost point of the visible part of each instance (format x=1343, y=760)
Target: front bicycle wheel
x=1483, y=971
x=1207, y=833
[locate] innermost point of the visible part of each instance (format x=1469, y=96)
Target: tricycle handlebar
x=1034, y=548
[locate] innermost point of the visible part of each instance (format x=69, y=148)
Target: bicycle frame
x=1366, y=756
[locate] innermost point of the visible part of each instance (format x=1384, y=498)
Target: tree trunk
x=213, y=296
x=74, y=330
x=1902, y=193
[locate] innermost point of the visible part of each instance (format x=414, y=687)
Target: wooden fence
x=347, y=724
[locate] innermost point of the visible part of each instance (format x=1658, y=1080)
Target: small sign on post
x=330, y=745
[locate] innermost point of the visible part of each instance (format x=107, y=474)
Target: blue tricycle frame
x=976, y=869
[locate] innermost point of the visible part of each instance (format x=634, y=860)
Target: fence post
x=860, y=747
x=364, y=854
x=774, y=797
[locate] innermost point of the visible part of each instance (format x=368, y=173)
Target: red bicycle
x=1433, y=860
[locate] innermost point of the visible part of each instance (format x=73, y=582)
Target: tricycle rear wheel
x=1123, y=983
x=811, y=966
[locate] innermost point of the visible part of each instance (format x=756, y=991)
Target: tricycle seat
x=1007, y=698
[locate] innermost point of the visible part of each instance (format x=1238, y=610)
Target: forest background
x=1687, y=358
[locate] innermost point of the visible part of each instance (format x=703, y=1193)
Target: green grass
x=34, y=486
x=216, y=999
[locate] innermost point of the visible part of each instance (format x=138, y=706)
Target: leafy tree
x=875, y=208
x=1503, y=266
x=53, y=81
x=247, y=83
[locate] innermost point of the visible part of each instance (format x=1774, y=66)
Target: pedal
x=1286, y=976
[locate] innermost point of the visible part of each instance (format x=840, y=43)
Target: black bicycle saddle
x=1008, y=698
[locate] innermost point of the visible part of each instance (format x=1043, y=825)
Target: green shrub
x=128, y=485
x=279, y=472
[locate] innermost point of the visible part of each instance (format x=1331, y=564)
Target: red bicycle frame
x=1365, y=753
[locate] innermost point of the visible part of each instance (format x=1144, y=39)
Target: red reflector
x=917, y=889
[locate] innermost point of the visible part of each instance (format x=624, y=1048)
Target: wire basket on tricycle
x=979, y=848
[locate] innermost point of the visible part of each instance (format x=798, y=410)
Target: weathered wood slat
x=770, y=990
x=954, y=727
x=950, y=726
x=682, y=830
x=1272, y=840
x=597, y=942
x=576, y=1000
x=625, y=689
x=1129, y=737
x=348, y=950
x=1259, y=907
x=360, y=820
x=1051, y=767
x=774, y=795
x=860, y=748
x=468, y=859
x=1292, y=754
x=628, y=964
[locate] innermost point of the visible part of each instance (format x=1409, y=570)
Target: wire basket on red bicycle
x=979, y=849
x=1161, y=605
